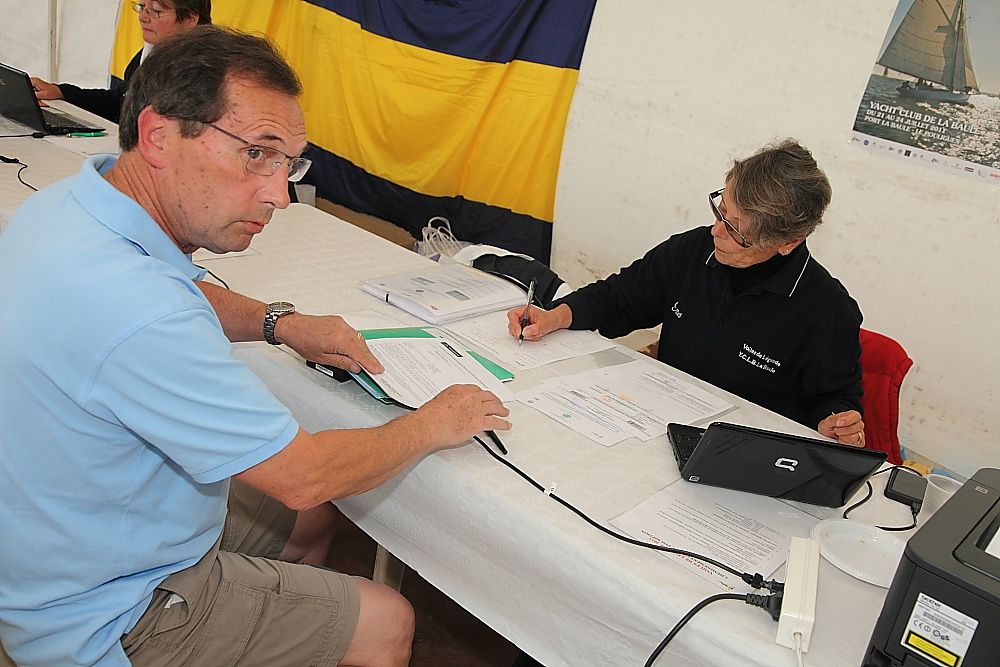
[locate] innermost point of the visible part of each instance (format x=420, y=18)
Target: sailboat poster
x=934, y=92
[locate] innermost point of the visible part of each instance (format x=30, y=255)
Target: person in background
x=152, y=486
x=743, y=304
x=158, y=19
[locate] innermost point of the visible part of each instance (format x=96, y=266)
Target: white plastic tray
x=859, y=549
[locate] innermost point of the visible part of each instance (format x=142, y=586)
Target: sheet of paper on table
x=747, y=532
x=488, y=332
x=201, y=255
x=418, y=369
x=87, y=146
x=631, y=400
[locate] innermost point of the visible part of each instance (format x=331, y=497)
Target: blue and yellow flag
x=420, y=108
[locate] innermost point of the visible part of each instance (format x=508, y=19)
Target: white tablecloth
x=49, y=159
x=526, y=566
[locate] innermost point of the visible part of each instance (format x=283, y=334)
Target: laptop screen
x=17, y=98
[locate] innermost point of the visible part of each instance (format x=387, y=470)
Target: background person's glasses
x=154, y=11
x=730, y=227
x=265, y=161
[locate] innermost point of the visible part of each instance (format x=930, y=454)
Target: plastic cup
x=939, y=489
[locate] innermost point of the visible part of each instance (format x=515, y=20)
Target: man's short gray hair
x=185, y=77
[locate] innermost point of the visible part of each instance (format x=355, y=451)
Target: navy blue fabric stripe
x=550, y=32
x=342, y=182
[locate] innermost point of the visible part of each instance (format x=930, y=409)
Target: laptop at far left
x=18, y=102
x=770, y=463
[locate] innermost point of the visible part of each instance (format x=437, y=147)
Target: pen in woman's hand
x=524, y=316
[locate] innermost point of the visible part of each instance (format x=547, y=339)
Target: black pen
x=496, y=441
x=524, y=316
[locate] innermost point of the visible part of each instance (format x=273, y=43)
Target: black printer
x=943, y=607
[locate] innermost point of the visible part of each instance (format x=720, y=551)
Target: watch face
x=280, y=308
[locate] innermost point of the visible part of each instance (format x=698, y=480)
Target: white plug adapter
x=798, y=604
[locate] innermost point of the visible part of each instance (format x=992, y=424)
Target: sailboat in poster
x=931, y=44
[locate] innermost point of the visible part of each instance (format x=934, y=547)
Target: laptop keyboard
x=56, y=120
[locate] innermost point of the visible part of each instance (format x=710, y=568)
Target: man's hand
x=540, y=322
x=460, y=412
x=45, y=90
x=327, y=339
x=846, y=427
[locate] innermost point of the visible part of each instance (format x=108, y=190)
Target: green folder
x=371, y=386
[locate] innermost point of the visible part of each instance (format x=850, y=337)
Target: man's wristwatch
x=274, y=311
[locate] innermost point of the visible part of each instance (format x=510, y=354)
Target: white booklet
x=446, y=292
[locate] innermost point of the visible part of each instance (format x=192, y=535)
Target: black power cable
x=753, y=580
x=914, y=509
x=209, y=272
x=14, y=160
x=772, y=603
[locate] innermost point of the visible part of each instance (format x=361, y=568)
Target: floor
x=446, y=634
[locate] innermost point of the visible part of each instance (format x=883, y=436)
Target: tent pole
x=53, y=42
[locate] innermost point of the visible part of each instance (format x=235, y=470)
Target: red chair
x=884, y=363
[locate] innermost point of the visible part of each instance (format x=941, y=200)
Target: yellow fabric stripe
x=438, y=124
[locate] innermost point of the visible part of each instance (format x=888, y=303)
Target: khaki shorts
x=238, y=605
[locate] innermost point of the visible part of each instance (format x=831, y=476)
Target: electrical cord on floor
x=914, y=508
x=799, y=660
x=14, y=160
x=772, y=603
x=754, y=580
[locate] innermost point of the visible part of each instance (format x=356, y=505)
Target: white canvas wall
x=670, y=93
x=84, y=28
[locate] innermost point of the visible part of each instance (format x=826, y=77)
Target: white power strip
x=798, y=604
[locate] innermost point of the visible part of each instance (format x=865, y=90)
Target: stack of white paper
x=446, y=292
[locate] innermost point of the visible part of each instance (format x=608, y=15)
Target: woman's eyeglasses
x=154, y=10
x=730, y=227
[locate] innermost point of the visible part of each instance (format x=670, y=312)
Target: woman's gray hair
x=782, y=191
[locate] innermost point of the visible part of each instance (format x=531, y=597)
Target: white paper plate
x=859, y=549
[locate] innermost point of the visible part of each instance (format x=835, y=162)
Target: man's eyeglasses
x=730, y=227
x=156, y=11
x=266, y=161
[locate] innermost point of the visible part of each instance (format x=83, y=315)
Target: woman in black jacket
x=158, y=19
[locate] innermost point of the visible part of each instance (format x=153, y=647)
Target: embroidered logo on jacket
x=676, y=310
x=759, y=359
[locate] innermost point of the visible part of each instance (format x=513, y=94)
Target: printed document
x=417, y=369
x=747, y=532
x=631, y=400
x=445, y=292
x=489, y=333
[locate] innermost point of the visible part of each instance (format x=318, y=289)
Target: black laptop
x=18, y=102
x=773, y=464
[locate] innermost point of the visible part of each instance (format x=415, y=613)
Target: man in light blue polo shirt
x=125, y=414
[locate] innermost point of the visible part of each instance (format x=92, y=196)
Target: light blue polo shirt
x=123, y=414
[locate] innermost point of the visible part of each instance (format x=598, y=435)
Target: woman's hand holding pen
x=540, y=322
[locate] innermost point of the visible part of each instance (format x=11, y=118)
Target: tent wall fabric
x=420, y=109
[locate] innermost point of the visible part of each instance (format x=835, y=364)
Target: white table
x=49, y=159
x=533, y=571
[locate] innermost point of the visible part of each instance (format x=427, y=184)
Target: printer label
x=938, y=632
